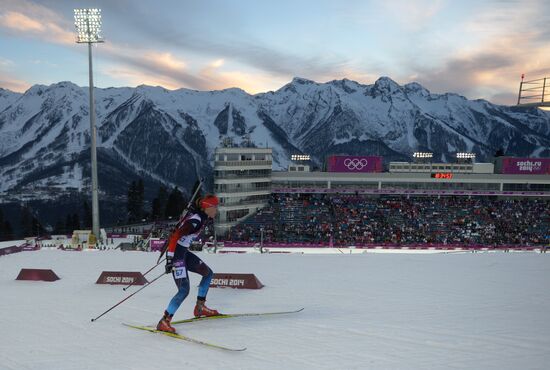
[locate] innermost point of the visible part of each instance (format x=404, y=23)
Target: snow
x=379, y=311
x=303, y=109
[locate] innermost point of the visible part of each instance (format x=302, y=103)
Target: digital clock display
x=442, y=175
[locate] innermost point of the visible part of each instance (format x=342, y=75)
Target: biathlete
x=179, y=261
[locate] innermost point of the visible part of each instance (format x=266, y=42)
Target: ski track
x=377, y=311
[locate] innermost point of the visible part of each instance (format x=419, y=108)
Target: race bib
x=179, y=272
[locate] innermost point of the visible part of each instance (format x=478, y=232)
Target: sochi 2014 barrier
x=30, y=247
x=16, y=249
x=37, y=275
x=238, y=281
x=10, y=250
x=121, y=277
x=113, y=235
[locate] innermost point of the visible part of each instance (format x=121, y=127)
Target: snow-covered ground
x=362, y=311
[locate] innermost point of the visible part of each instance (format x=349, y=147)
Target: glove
x=169, y=265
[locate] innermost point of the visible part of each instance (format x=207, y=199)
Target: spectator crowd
x=355, y=220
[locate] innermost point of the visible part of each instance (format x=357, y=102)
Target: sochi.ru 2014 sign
x=526, y=166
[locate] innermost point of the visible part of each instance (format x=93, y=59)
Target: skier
x=179, y=260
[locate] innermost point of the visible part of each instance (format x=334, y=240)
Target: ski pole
x=131, y=295
x=145, y=273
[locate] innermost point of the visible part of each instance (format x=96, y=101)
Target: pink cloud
x=20, y=22
x=26, y=19
x=13, y=84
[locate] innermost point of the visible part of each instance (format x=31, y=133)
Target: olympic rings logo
x=355, y=163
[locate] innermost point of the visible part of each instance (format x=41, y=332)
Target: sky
x=477, y=48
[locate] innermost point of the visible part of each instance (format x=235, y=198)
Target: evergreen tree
x=37, y=228
x=69, y=224
x=87, y=215
x=3, y=233
x=8, y=231
x=155, y=209
x=75, y=221
x=163, y=200
x=26, y=222
x=131, y=202
x=135, y=200
x=2, y=226
x=60, y=227
x=158, y=206
x=140, y=198
x=175, y=204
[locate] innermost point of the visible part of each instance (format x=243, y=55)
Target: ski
x=186, y=338
x=231, y=315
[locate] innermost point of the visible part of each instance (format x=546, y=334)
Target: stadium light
x=465, y=155
x=88, y=28
x=300, y=157
x=423, y=155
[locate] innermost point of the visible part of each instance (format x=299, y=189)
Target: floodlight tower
x=422, y=156
x=88, y=27
x=467, y=157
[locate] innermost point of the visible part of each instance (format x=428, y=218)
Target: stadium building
x=242, y=181
x=507, y=178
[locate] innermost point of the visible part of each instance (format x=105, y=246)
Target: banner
x=525, y=166
x=361, y=164
x=156, y=244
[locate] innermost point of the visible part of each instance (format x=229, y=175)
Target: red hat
x=209, y=201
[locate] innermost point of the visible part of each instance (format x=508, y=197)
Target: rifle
x=182, y=216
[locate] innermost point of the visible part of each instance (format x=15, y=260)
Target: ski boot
x=164, y=323
x=202, y=311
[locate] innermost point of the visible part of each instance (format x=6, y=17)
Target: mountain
x=169, y=137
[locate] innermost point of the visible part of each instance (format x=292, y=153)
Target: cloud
x=492, y=73
x=251, y=82
x=161, y=69
x=508, y=45
x=27, y=19
x=217, y=63
x=13, y=84
x=412, y=15
x=20, y=22
x=154, y=66
x=7, y=81
x=155, y=28
x=509, y=38
x=6, y=62
x=23, y=18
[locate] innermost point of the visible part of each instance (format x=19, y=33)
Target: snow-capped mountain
x=169, y=136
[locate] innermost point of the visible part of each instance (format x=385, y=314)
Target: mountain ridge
x=169, y=136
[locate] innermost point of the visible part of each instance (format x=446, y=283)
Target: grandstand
x=415, y=207
x=362, y=220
